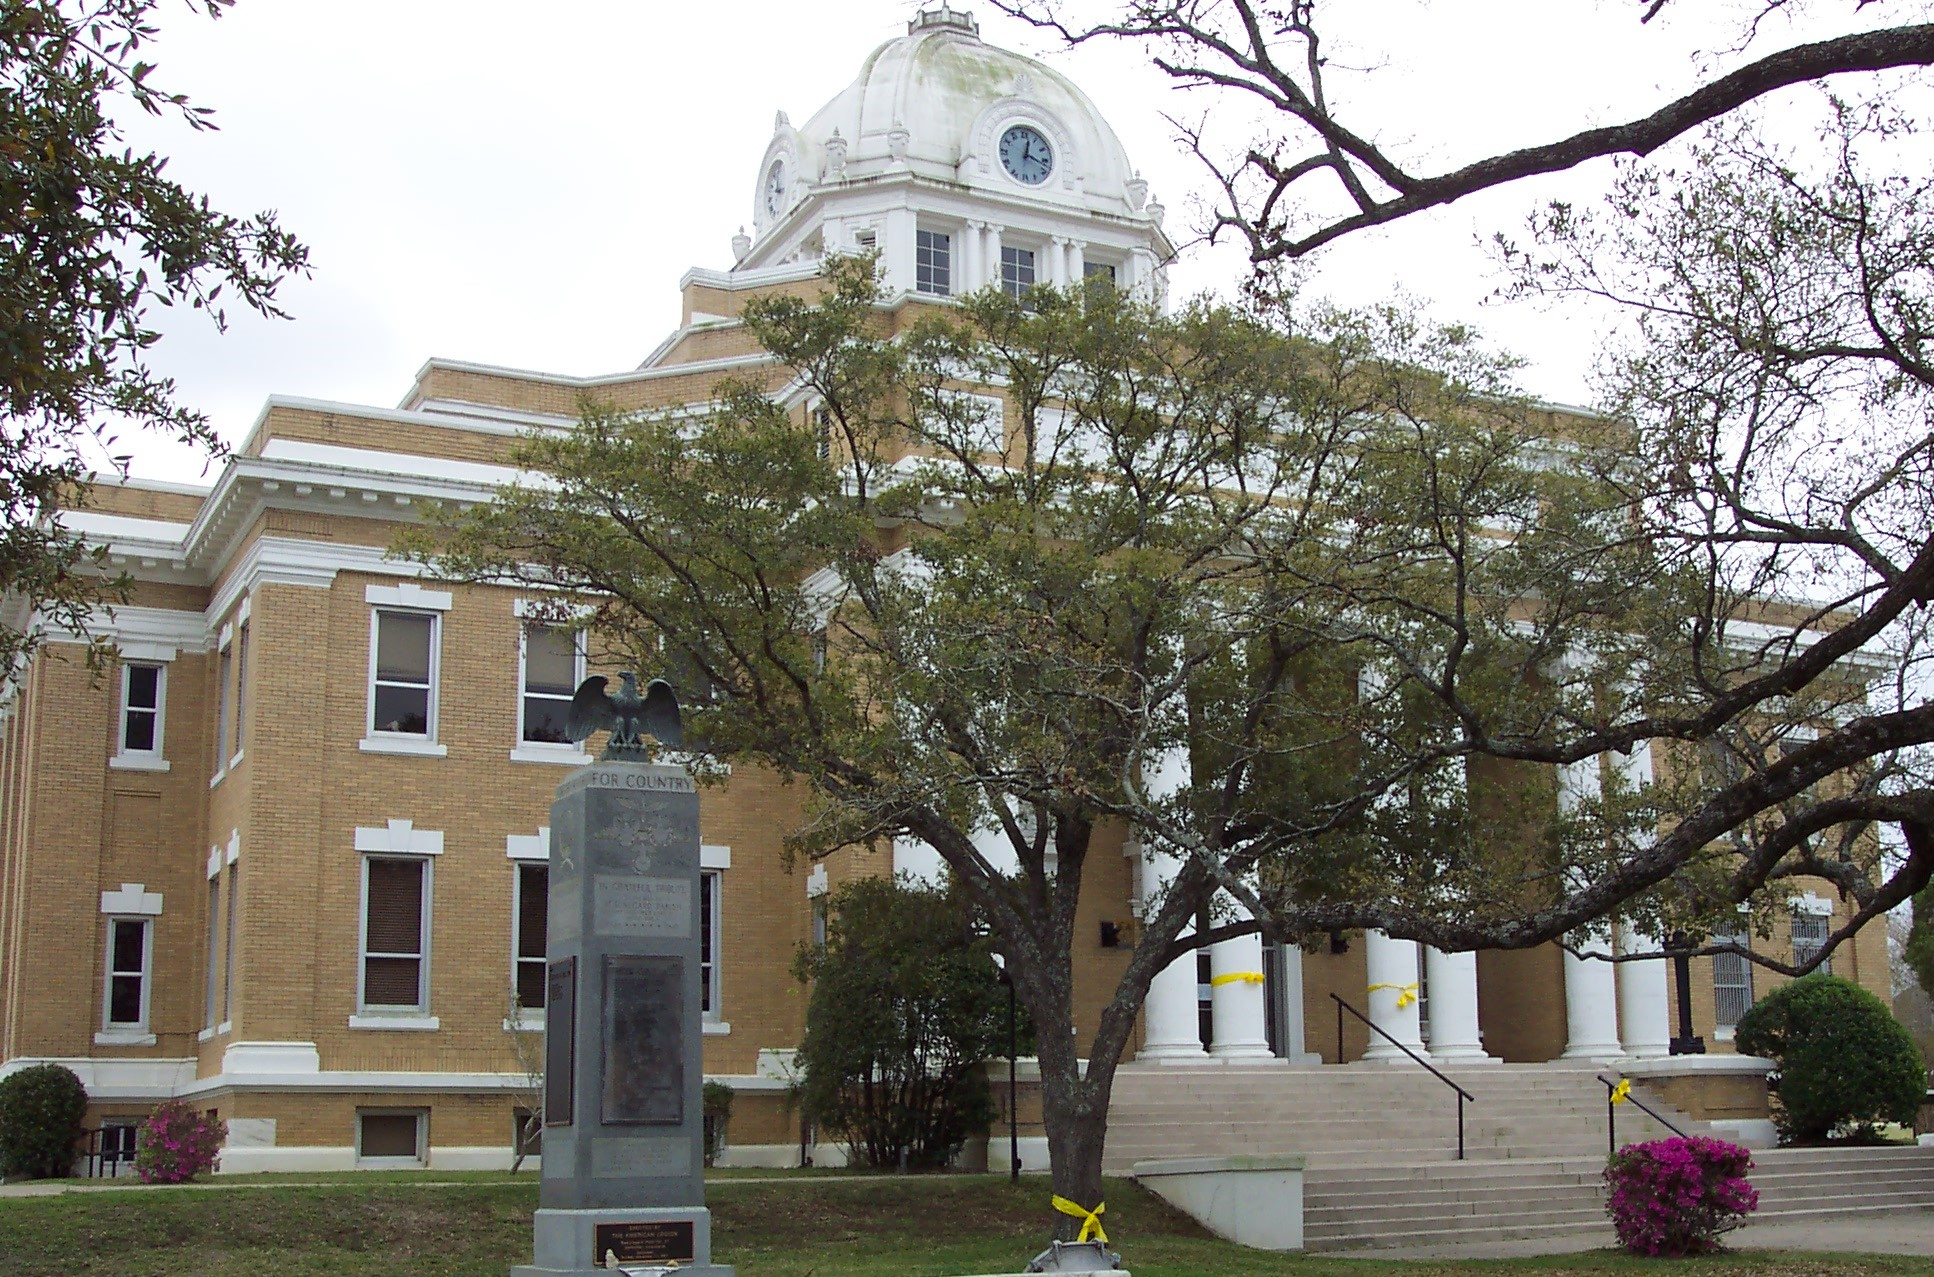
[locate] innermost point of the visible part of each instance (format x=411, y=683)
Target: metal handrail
x=1462, y=1094
x=1611, y=1112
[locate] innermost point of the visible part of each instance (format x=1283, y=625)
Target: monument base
x=574, y=1243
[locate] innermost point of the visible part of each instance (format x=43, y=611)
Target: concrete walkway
x=1892, y=1233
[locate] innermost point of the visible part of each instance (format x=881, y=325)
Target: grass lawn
x=819, y=1227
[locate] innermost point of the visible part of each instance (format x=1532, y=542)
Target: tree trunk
x=1075, y=1109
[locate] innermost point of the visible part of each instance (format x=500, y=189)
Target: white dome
x=935, y=103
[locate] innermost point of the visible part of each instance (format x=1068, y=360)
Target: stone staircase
x=1381, y=1145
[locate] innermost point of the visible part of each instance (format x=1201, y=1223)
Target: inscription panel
x=637, y=1156
x=644, y=1041
x=560, y=1040
x=655, y=907
x=664, y=1241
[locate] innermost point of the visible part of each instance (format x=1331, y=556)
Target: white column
x=1077, y=262
x=1054, y=271
x=1591, y=992
x=897, y=250
x=991, y=261
x=1241, y=1031
x=1393, y=991
x=1171, y=1022
x=1289, y=1005
x=972, y=272
x=1454, y=1033
x=1644, y=1004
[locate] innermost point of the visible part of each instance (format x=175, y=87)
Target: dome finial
x=944, y=19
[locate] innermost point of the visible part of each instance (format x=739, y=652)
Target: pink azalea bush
x=1675, y=1197
x=177, y=1144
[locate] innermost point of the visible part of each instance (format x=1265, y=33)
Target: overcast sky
x=524, y=185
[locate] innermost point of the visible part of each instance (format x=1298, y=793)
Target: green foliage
x=1919, y=949
x=1844, y=1062
x=716, y=1106
x=92, y=236
x=178, y=1143
x=41, y=1109
x=906, y=1006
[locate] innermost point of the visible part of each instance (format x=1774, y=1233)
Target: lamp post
x=1687, y=1043
x=1013, y=1115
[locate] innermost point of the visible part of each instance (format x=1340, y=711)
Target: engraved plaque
x=560, y=1040
x=644, y=1041
x=659, y=1241
x=633, y=1156
x=625, y=906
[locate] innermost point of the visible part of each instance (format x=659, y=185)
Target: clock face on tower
x=1026, y=155
x=776, y=187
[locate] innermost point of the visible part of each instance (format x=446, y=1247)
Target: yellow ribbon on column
x=1230, y=977
x=1406, y=993
x=1090, y=1219
x=1622, y=1091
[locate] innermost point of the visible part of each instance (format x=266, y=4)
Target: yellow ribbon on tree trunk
x=1622, y=1091
x=1090, y=1219
x=1406, y=993
x=1230, y=977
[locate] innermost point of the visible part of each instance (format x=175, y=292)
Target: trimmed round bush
x=177, y=1144
x=1845, y=1064
x=1675, y=1197
x=41, y=1110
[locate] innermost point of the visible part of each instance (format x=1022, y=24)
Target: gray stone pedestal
x=623, y=1154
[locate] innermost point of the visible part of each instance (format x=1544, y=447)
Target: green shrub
x=1844, y=1061
x=717, y=1108
x=906, y=1006
x=41, y=1109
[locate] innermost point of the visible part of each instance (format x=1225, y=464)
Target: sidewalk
x=1892, y=1233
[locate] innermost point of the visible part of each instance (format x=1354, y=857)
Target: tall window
x=213, y=978
x=402, y=696
x=141, y=709
x=933, y=270
x=1809, y=937
x=390, y=1138
x=228, y=943
x=128, y=954
x=222, y=666
x=1098, y=272
x=708, y=943
x=241, y=683
x=1017, y=270
x=1732, y=982
x=533, y=892
x=552, y=669
x=396, y=915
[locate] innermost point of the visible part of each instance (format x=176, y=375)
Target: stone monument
x=623, y=1153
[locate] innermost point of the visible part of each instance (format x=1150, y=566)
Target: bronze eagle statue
x=628, y=715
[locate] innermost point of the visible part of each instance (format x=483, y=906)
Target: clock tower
x=961, y=165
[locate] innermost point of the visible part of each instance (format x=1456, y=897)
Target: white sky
x=523, y=185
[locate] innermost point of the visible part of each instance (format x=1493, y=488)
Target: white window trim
x=568, y=754
x=419, y=1161
x=535, y=846
x=142, y=760
x=381, y=742
x=418, y=1017
x=407, y=596
x=133, y=900
x=241, y=677
x=224, y=662
x=125, y=1034
x=398, y=838
x=522, y=1019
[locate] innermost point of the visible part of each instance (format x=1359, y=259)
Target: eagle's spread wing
x=591, y=710
x=661, y=715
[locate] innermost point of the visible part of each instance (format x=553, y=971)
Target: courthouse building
x=288, y=858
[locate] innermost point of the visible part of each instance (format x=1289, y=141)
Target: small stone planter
x=1251, y=1201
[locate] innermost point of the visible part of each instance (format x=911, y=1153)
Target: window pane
x=546, y=719
x=1098, y=270
x=403, y=647
x=707, y=937
x=138, y=732
x=127, y=946
x=144, y=686
x=933, y=264
x=403, y=709
x=533, y=892
x=241, y=683
x=124, y=1000
x=214, y=942
x=1017, y=270
x=550, y=661
x=530, y=986
x=391, y=982
x=395, y=907
x=389, y=1135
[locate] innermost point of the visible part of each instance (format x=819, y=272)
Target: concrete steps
x=1381, y=1148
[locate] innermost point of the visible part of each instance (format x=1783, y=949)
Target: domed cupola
x=962, y=164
